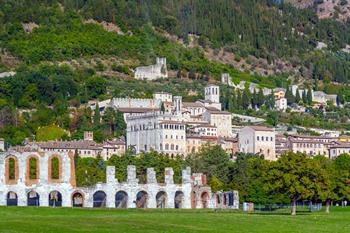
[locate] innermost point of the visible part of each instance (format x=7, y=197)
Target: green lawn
x=29, y=219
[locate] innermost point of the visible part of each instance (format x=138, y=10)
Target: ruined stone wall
x=22, y=190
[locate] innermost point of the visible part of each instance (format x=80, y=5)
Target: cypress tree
x=297, y=97
x=97, y=115
x=309, y=96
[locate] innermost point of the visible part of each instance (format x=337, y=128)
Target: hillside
x=67, y=53
x=336, y=9
x=280, y=36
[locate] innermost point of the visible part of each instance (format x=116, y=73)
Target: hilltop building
x=152, y=72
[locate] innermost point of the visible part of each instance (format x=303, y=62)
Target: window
x=172, y=147
x=257, y=138
x=12, y=169
x=55, y=168
x=166, y=146
x=33, y=168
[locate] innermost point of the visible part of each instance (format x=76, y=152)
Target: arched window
x=179, y=199
x=77, y=199
x=33, y=168
x=121, y=199
x=161, y=199
x=55, y=168
x=11, y=169
x=141, y=199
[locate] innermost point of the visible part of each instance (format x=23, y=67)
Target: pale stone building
x=258, y=140
x=281, y=104
x=84, y=148
x=49, y=180
x=152, y=72
x=310, y=145
x=166, y=132
x=339, y=148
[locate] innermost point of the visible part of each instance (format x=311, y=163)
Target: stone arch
x=11, y=199
x=205, y=200
x=179, y=199
x=99, y=199
x=141, y=199
x=77, y=199
x=33, y=198
x=55, y=169
x=32, y=174
x=161, y=199
x=11, y=170
x=55, y=199
x=121, y=199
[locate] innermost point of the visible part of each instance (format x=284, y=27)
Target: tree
x=97, y=115
x=109, y=118
x=304, y=97
x=260, y=98
x=212, y=161
x=162, y=107
x=297, y=97
x=246, y=98
x=294, y=175
x=290, y=97
x=309, y=96
x=326, y=178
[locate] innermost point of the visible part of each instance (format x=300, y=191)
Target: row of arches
x=99, y=199
x=32, y=169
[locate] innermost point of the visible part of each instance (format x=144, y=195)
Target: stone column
x=151, y=176
x=169, y=173
x=131, y=179
x=110, y=174
x=186, y=175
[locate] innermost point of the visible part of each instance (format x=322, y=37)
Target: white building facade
x=152, y=72
x=258, y=140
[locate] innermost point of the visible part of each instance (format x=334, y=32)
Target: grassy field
x=29, y=219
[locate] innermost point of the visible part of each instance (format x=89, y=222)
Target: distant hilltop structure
x=152, y=72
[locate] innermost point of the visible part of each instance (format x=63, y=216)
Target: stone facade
x=152, y=72
x=167, y=131
x=17, y=186
x=258, y=140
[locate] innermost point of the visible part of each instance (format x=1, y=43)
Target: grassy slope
x=27, y=219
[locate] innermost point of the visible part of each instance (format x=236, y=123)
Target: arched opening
x=12, y=199
x=33, y=168
x=11, y=170
x=33, y=199
x=55, y=199
x=205, y=200
x=179, y=200
x=54, y=168
x=161, y=199
x=99, y=199
x=141, y=199
x=77, y=199
x=121, y=199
